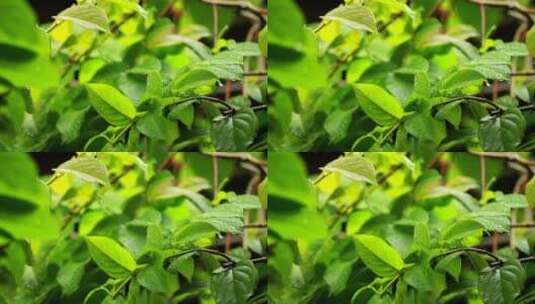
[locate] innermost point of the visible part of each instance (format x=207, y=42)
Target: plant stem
x=496, y=258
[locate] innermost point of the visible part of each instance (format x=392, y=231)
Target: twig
x=222, y=102
x=512, y=157
x=228, y=258
x=471, y=98
x=531, y=225
x=258, y=73
x=245, y=5
x=521, y=260
x=255, y=226
x=496, y=258
x=215, y=19
x=243, y=156
x=512, y=5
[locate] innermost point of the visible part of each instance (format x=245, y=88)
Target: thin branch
x=511, y=5
x=255, y=226
x=242, y=156
x=244, y=5
x=471, y=98
x=258, y=73
x=521, y=260
x=228, y=258
x=222, y=102
x=496, y=258
x=531, y=225
x=512, y=157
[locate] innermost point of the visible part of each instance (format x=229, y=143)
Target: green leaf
x=459, y=79
x=156, y=126
x=111, y=257
x=530, y=192
x=246, y=201
x=111, y=104
x=530, y=41
x=378, y=256
x=183, y=265
x=501, y=285
x=87, y=168
x=378, y=104
x=426, y=127
x=86, y=15
x=194, y=79
x=154, y=277
x=70, y=276
x=236, y=284
x=235, y=132
x=451, y=264
x=225, y=218
x=354, y=167
x=502, y=133
x=354, y=16
x=18, y=26
x=285, y=14
x=288, y=179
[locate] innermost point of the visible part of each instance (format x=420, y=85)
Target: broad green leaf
x=502, y=133
x=513, y=200
x=225, y=65
x=461, y=229
x=285, y=14
x=501, y=285
x=225, y=218
x=459, y=79
x=193, y=232
x=154, y=125
x=378, y=104
x=184, y=112
x=530, y=192
x=425, y=127
x=24, y=200
x=19, y=181
x=235, y=132
x=354, y=16
x=18, y=26
x=378, y=256
x=288, y=179
x=86, y=15
x=246, y=201
x=236, y=284
x=111, y=104
x=70, y=276
x=451, y=264
x=354, y=167
x=183, y=265
x=111, y=257
x=154, y=277
x=194, y=79
x=530, y=41
x=87, y=168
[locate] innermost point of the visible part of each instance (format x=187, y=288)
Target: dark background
x=46, y=9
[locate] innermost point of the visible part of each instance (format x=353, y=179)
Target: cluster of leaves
x=113, y=228
x=395, y=75
x=388, y=228
x=117, y=75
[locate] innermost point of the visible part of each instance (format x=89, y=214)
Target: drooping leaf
x=378, y=104
x=354, y=167
x=111, y=104
x=111, y=257
x=87, y=168
x=530, y=192
x=236, y=284
x=235, y=132
x=502, y=133
x=501, y=285
x=530, y=41
x=355, y=16
x=377, y=255
x=86, y=15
